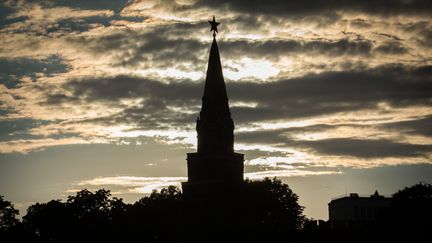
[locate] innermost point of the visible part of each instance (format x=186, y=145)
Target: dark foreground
x=265, y=211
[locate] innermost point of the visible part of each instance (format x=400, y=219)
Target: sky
x=331, y=97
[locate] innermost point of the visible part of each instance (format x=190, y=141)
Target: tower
x=215, y=169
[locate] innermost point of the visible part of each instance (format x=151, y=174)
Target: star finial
x=214, y=25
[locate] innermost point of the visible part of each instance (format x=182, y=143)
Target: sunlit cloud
x=39, y=14
x=133, y=184
x=145, y=185
x=173, y=73
x=25, y=146
x=167, y=43
x=286, y=173
x=312, y=91
x=249, y=68
x=282, y=162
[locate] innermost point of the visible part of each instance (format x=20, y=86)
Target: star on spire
x=214, y=25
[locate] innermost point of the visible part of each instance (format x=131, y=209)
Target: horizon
x=331, y=100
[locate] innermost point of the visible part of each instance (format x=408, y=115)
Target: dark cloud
x=290, y=9
x=362, y=148
x=311, y=95
x=391, y=48
x=421, y=126
x=426, y=37
x=6, y=14
x=392, y=37
x=116, y=5
x=330, y=92
x=251, y=21
x=421, y=31
x=256, y=153
x=18, y=128
x=156, y=114
x=360, y=23
x=282, y=136
x=313, y=7
x=166, y=52
x=162, y=48
x=278, y=47
x=153, y=112
x=121, y=87
x=157, y=47
x=12, y=70
x=65, y=26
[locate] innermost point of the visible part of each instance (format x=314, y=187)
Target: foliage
x=411, y=207
x=417, y=191
x=7, y=214
x=264, y=210
x=268, y=204
x=276, y=203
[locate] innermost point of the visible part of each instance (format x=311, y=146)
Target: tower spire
x=214, y=126
x=215, y=169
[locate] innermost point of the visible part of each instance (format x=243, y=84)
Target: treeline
x=263, y=207
x=265, y=211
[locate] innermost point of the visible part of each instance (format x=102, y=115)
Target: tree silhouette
x=411, y=208
x=263, y=207
x=7, y=215
x=277, y=202
x=264, y=210
x=421, y=191
x=85, y=214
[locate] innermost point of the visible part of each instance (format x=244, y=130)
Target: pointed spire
x=214, y=126
x=215, y=99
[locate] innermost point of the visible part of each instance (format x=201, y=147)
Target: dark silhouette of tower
x=215, y=169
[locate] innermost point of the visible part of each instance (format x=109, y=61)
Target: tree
x=411, y=207
x=49, y=221
x=422, y=191
x=275, y=203
x=89, y=214
x=265, y=208
x=160, y=214
x=171, y=192
x=7, y=215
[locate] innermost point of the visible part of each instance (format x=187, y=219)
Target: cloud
x=27, y=145
x=286, y=173
x=162, y=47
x=367, y=148
x=14, y=69
x=311, y=7
x=139, y=104
x=277, y=48
x=419, y=126
x=311, y=95
x=116, y=6
x=122, y=87
x=391, y=48
x=353, y=146
x=18, y=128
x=59, y=18
x=145, y=185
x=7, y=11
x=133, y=69
x=134, y=184
x=331, y=92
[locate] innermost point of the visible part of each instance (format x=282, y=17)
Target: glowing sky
x=330, y=96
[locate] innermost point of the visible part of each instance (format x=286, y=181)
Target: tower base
x=213, y=176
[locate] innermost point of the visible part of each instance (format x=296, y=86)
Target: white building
x=356, y=211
